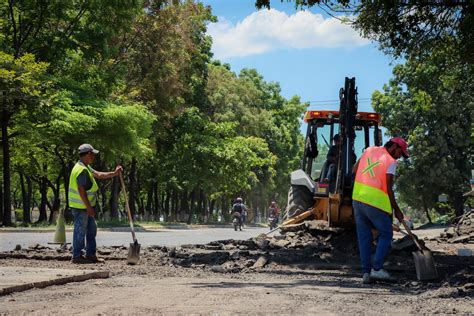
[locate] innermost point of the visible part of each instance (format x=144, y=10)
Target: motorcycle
x=237, y=221
x=272, y=222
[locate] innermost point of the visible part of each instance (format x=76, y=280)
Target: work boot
x=366, y=278
x=80, y=260
x=94, y=259
x=381, y=275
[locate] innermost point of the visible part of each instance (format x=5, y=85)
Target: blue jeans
x=85, y=229
x=368, y=217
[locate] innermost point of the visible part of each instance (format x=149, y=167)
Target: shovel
x=423, y=258
x=134, y=250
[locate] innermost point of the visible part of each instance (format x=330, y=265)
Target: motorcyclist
x=273, y=212
x=239, y=207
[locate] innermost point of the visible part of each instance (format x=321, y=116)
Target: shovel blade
x=425, y=265
x=133, y=253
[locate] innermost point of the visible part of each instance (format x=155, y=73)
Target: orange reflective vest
x=370, y=186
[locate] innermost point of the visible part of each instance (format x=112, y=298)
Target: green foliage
x=259, y=110
x=21, y=79
x=136, y=80
x=429, y=101
x=167, y=61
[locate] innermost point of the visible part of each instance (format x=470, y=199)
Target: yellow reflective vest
x=74, y=197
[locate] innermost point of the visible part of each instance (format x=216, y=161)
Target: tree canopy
x=136, y=79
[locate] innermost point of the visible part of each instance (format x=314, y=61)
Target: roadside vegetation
x=137, y=80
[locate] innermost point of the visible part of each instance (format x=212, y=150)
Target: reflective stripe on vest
x=370, y=186
x=74, y=198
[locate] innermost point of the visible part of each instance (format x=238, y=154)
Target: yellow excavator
x=312, y=195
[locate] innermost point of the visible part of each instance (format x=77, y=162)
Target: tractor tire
x=300, y=200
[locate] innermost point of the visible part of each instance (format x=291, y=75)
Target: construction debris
x=307, y=246
x=462, y=231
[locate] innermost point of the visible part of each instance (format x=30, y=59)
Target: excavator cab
x=312, y=193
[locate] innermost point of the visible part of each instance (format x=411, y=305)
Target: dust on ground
x=309, y=268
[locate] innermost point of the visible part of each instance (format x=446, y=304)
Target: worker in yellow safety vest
x=373, y=201
x=82, y=199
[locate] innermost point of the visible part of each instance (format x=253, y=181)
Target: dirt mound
x=462, y=231
x=310, y=244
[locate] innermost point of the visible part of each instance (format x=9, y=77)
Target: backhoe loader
x=311, y=195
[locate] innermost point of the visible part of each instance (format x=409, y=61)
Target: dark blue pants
x=368, y=217
x=85, y=230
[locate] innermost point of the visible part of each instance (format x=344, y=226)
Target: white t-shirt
x=393, y=168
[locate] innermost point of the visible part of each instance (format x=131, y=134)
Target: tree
x=429, y=101
x=407, y=28
x=53, y=32
x=258, y=109
x=167, y=58
x=21, y=88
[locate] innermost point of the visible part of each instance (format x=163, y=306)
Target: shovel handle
x=397, y=229
x=411, y=235
x=272, y=230
x=128, y=208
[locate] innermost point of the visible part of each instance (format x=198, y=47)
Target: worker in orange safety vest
x=373, y=201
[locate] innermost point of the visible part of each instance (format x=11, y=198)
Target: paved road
x=166, y=237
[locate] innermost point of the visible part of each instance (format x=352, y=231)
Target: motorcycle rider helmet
x=273, y=203
x=239, y=200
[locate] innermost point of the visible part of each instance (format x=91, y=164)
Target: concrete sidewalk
x=17, y=279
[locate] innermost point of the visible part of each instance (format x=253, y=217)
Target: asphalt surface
x=165, y=237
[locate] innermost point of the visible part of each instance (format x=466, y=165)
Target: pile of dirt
x=308, y=245
x=462, y=231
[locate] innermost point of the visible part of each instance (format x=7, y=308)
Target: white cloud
x=269, y=30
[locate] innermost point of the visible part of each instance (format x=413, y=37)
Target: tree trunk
x=224, y=210
x=7, y=207
x=167, y=207
x=103, y=195
x=156, y=202
x=191, y=206
x=43, y=217
x=184, y=209
x=66, y=173
x=200, y=204
x=212, y=204
x=458, y=204
x=427, y=211
x=114, y=188
x=174, y=205
x=56, y=199
x=132, y=187
x=149, y=200
x=1, y=203
x=139, y=198
x=26, y=191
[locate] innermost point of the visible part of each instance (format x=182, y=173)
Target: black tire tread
x=300, y=199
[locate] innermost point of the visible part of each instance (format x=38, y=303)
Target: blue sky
x=307, y=52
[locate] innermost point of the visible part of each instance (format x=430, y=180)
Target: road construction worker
x=239, y=207
x=82, y=199
x=373, y=202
